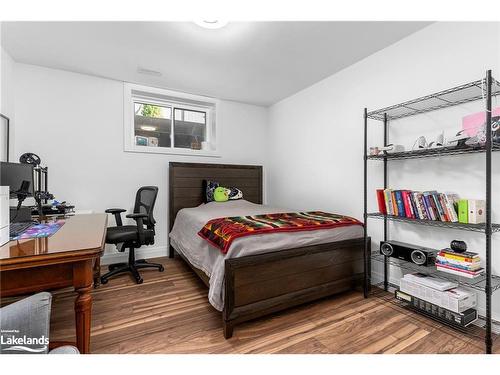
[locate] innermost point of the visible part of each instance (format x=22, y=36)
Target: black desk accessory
x=41, y=175
x=458, y=246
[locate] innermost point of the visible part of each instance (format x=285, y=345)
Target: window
x=163, y=121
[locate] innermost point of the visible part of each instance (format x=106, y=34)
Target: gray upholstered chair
x=24, y=327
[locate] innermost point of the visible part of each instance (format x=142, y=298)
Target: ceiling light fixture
x=148, y=128
x=211, y=23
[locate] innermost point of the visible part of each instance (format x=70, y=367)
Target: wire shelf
x=432, y=152
x=474, y=330
x=441, y=224
x=478, y=283
x=455, y=96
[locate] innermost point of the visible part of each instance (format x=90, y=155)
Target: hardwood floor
x=170, y=313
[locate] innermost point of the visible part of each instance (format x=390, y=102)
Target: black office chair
x=134, y=236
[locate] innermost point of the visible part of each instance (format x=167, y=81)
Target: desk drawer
x=36, y=279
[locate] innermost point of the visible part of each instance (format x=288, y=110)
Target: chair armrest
x=140, y=226
x=28, y=317
x=117, y=214
x=136, y=216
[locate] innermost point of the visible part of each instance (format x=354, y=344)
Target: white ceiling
x=253, y=62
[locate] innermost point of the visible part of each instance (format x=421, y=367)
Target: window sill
x=173, y=151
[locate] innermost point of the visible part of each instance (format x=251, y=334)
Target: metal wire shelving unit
x=485, y=89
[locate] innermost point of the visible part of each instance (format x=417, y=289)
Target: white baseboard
x=142, y=253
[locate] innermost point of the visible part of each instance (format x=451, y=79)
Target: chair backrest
x=145, y=202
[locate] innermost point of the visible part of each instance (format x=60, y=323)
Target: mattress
x=204, y=256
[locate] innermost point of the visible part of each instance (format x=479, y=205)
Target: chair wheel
x=161, y=269
x=104, y=281
x=139, y=281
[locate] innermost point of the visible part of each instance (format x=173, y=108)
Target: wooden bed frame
x=261, y=284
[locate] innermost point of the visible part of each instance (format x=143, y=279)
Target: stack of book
x=466, y=264
x=427, y=205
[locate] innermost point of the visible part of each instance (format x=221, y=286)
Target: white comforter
x=184, y=238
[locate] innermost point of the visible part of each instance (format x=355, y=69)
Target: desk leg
x=82, y=281
x=97, y=272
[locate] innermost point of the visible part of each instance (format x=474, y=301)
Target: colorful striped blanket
x=223, y=231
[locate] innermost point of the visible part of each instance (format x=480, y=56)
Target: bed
x=261, y=274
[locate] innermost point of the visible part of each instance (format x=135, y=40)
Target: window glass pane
x=189, y=128
x=152, y=125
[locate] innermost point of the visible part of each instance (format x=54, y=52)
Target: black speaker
x=422, y=256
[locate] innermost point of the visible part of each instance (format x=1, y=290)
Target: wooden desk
x=67, y=258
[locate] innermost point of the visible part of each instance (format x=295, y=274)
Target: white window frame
x=151, y=95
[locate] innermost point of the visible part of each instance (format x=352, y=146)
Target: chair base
x=132, y=267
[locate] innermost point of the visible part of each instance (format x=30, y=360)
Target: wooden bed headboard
x=186, y=183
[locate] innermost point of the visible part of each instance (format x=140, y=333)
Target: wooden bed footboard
x=261, y=284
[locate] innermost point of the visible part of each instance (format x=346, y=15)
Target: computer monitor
x=17, y=176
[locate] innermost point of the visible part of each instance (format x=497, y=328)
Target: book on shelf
x=421, y=206
x=430, y=209
x=399, y=201
x=476, y=211
x=446, y=214
x=407, y=204
x=394, y=203
x=388, y=201
x=459, y=272
x=413, y=205
x=458, y=263
x=450, y=205
x=425, y=211
x=382, y=208
x=466, y=264
x=463, y=211
x=467, y=256
x=428, y=205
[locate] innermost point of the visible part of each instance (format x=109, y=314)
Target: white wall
x=6, y=93
x=74, y=122
x=315, y=155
